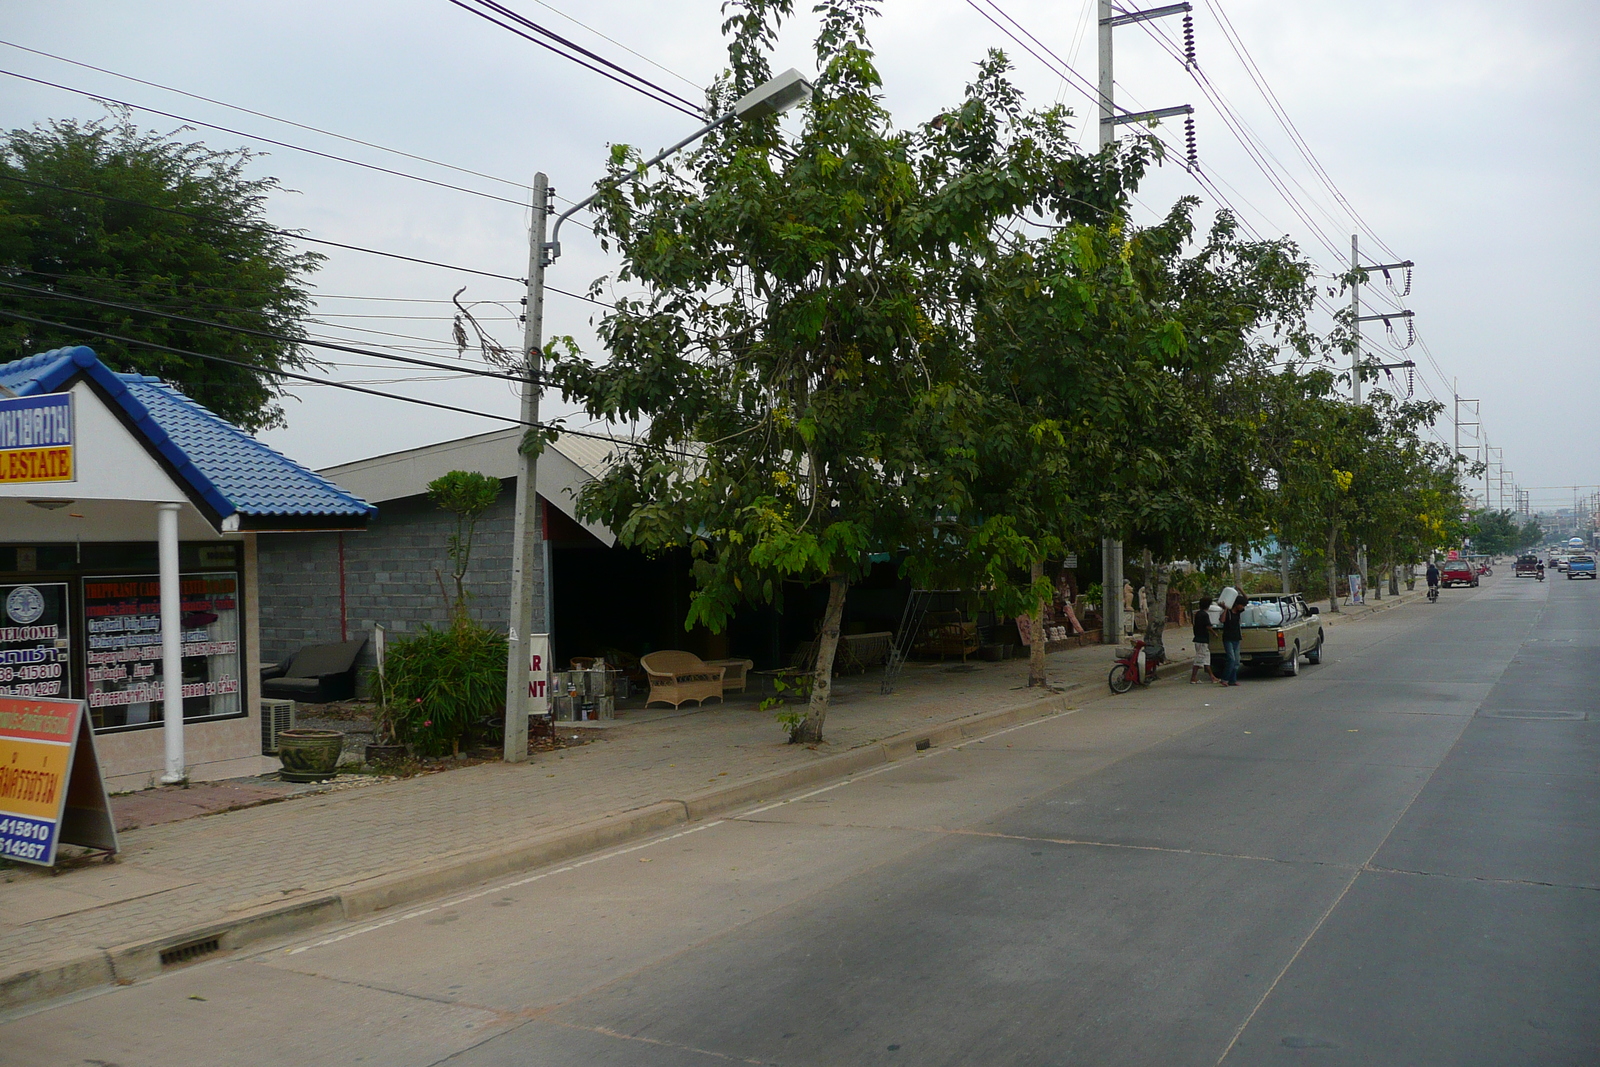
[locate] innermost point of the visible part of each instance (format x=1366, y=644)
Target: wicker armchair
x=679, y=676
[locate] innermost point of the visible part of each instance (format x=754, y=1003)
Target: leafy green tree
x=1123, y=363
x=800, y=349
x=1532, y=533
x=466, y=495
x=105, y=210
x=1494, y=533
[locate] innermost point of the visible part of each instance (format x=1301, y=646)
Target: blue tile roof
x=226, y=468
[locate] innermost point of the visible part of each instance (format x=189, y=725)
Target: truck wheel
x=1315, y=655
x=1120, y=679
x=1291, y=669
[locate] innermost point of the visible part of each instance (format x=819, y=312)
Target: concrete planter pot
x=385, y=753
x=309, y=755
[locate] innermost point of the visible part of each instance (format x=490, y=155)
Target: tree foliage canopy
x=848, y=339
x=107, y=211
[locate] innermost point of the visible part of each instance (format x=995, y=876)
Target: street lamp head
x=773, y=96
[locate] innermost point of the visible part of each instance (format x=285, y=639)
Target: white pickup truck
x=1276, y=630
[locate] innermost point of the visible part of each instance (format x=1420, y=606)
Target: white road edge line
x=417, y=913
x=468, y=897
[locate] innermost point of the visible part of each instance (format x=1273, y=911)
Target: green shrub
x=442, y=684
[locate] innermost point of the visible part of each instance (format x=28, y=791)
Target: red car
x=1458, y=572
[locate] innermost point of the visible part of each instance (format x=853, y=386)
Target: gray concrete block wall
x=389, y=577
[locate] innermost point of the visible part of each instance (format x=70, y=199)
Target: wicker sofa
x=679, y=676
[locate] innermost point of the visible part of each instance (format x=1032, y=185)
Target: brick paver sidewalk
x=178, y=875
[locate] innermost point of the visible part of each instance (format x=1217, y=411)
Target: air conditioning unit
x=276, y=717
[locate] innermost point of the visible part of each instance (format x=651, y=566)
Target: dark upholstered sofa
x=316, y=674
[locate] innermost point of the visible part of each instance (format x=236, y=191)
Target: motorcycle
x=1136, y=666
x=1540, y=575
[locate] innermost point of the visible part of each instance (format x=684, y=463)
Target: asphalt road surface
x=1392, y=859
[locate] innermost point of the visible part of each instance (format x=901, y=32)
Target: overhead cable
x=263, y=334
x=260, y=226
x=267, y=140
x=493, y=12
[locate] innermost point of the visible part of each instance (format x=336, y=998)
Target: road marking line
x=469, y=897
x=1337, y=900
x=900, y=763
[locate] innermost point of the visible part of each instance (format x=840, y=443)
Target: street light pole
x=769, y=98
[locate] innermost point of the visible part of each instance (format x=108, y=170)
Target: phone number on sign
x=31, y=689
x=24, y=838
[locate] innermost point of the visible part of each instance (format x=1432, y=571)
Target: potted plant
x=310, y=755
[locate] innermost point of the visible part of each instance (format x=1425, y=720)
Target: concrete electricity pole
x=1111, y=555
x=525, y=540
x=771, y=97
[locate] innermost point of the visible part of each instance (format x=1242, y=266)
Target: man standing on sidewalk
x=1232, y=635
x=1202, y=643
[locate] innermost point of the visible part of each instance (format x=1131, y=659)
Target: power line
x=261, y=226
x=308, y=379
x=272, y=118
x=1236, y=41
x=266, y=140
x=639, y=84
x=253, y=367
x=264, y=334
x=619, y=44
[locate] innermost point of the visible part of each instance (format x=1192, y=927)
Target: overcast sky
x=1462, y=134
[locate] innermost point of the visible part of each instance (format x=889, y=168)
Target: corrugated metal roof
x=224, y=466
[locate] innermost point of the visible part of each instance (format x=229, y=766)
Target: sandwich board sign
x=51, y=791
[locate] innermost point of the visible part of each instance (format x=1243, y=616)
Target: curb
x=139, y=960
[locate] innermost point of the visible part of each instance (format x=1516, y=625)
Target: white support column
x=171, y=641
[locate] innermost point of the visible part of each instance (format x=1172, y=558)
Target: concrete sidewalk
x=264, y=871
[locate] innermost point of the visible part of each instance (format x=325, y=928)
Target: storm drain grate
x=192, y=951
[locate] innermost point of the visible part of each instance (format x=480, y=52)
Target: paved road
x=1393, y=859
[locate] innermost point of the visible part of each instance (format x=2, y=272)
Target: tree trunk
x=810, y=731
x=1333, y=568
x=1036, y=637
x=1155, y=616
x=1394, y=576
x=1283, y=563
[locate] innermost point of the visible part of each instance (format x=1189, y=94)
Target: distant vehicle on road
x=1558, y=562
x=1528, y=567
x=1457, y=572
x=1580, y=567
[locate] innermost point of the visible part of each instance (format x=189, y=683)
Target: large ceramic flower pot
x=309, y=755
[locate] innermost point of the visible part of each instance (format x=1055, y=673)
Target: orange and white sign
x=50, y=785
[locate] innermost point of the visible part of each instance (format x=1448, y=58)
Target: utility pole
x=1356, y=318
x=1111, y=552
x=772, y=97
x=1456, y=412
x=1483, y=452
x=525, y=540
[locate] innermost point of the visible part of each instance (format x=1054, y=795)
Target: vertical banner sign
x=35, y=649
x=50, y=786
x=538, y=676
x=36, y=439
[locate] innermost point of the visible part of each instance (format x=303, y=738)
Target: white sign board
x=538, y=676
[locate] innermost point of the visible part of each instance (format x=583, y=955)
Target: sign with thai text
x=50, y=786
x=35, y=646
x=36, y=439
x=122, y=617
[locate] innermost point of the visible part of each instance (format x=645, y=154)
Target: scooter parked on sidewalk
x=1133, y=665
